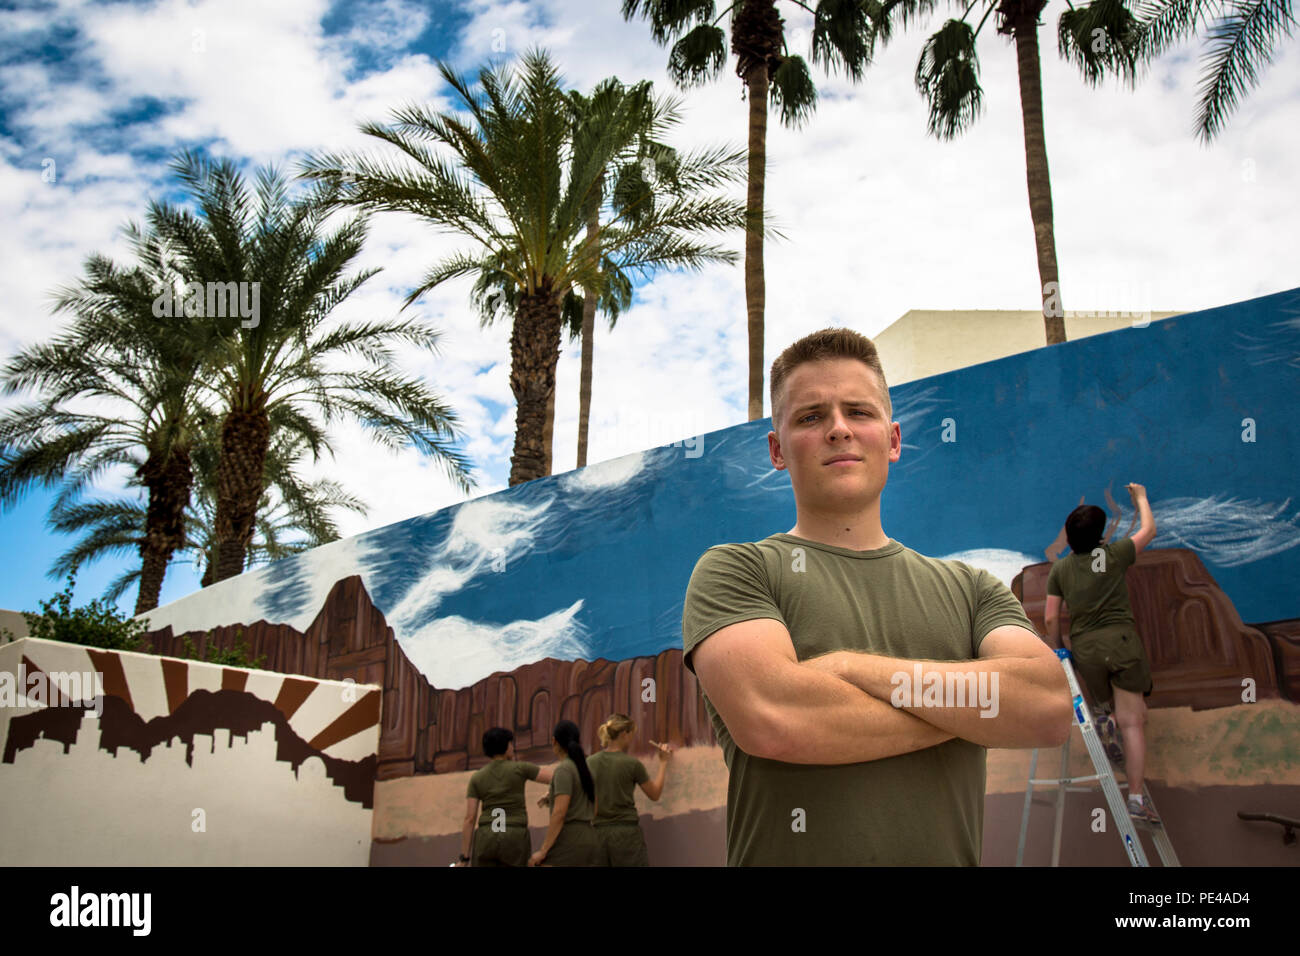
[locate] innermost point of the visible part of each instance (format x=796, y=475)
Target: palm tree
x=518, y=184
x=287, y=363
x=632, y=196
x=143, y=378
x=1240, y=39
x=1100, y=38
x=292, y=517
x=843, y=36
x=627, y=190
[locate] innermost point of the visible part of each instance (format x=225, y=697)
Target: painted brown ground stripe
x=30, y=667
x=364, y=713
x=110, y=665
x=292, y=693
x=176, y=680
x=232, y=679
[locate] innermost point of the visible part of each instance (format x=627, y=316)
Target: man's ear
x=774, y=451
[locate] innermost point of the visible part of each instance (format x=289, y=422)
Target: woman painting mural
x=617, y=774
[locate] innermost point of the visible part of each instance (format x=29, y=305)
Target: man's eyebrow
x=852, y=401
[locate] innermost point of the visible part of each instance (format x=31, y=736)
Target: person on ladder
x=1104, y=640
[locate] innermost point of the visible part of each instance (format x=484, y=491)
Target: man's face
x=835, y=408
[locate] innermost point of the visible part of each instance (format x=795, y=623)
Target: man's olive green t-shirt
x=616, y=775
x=500, y=783
x=566, y=780
x=1094, y=588
x=921, y=808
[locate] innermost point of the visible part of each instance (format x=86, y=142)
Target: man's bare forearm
x=817, y=718
x=994, y=702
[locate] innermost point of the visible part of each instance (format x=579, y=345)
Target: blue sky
x=879, y=218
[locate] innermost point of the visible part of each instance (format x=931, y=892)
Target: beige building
x=14, y=623
x=928, y=342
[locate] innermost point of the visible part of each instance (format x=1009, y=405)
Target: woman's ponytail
x=568, y=737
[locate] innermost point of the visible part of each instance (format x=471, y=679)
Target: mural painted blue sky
x=596, y=562
x=879, y=219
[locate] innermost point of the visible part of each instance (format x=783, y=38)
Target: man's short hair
x=817, y=347
x=1084, y=527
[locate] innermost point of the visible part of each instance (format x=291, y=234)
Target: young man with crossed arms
x=796, y=641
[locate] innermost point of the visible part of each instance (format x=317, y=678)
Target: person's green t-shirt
x=566, y=780
x=1093, y=586
x=500, y=784
x=920, y=808
x=616, y=775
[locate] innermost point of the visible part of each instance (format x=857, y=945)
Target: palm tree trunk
x=169, y=485
x=1025, y=28
x=588, y=344
x=548, y=436
x=245, y=438
x=756, y=81
x=534, y=353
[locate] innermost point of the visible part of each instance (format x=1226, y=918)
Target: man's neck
x=856, y=533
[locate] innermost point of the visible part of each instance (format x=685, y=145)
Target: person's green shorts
x=508, y=847
x=575, y=846
x=622, y=844
x=1112, y=656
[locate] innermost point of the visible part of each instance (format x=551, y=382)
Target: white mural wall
x=118, y=758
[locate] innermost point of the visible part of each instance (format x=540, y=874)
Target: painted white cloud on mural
x=604, y=474
x=999, y=562
x=1226, y=532
x=454, y=652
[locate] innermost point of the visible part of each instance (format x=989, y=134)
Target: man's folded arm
x=1014, y=695
x=777, y=709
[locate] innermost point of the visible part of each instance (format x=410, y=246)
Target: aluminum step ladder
x=1105, y=775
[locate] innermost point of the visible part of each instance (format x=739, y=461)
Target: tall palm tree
x=625, y=190
x=292, y=517
x=293, y=366
x=632, y=196
x=142, y=377
x=1241, y=38
x=843, y=37
x=512, y=183
x=1101, y=38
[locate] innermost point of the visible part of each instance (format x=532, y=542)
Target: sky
x=877, y=217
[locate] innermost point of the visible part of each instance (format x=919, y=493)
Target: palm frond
x=1099, y=38
x=947, y=75
x=1238, y=46
x=698, y=56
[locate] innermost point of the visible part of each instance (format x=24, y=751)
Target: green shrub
x=97, y=624
x=237, y=656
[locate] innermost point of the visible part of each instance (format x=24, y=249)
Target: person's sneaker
x=1142, y=813
x=1108, y=734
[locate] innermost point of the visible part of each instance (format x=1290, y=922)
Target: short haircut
x=817, y=347
x=1084, y=527
x=496, y=740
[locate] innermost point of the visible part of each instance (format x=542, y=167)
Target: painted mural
x=119, y=758
x=562, y=597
